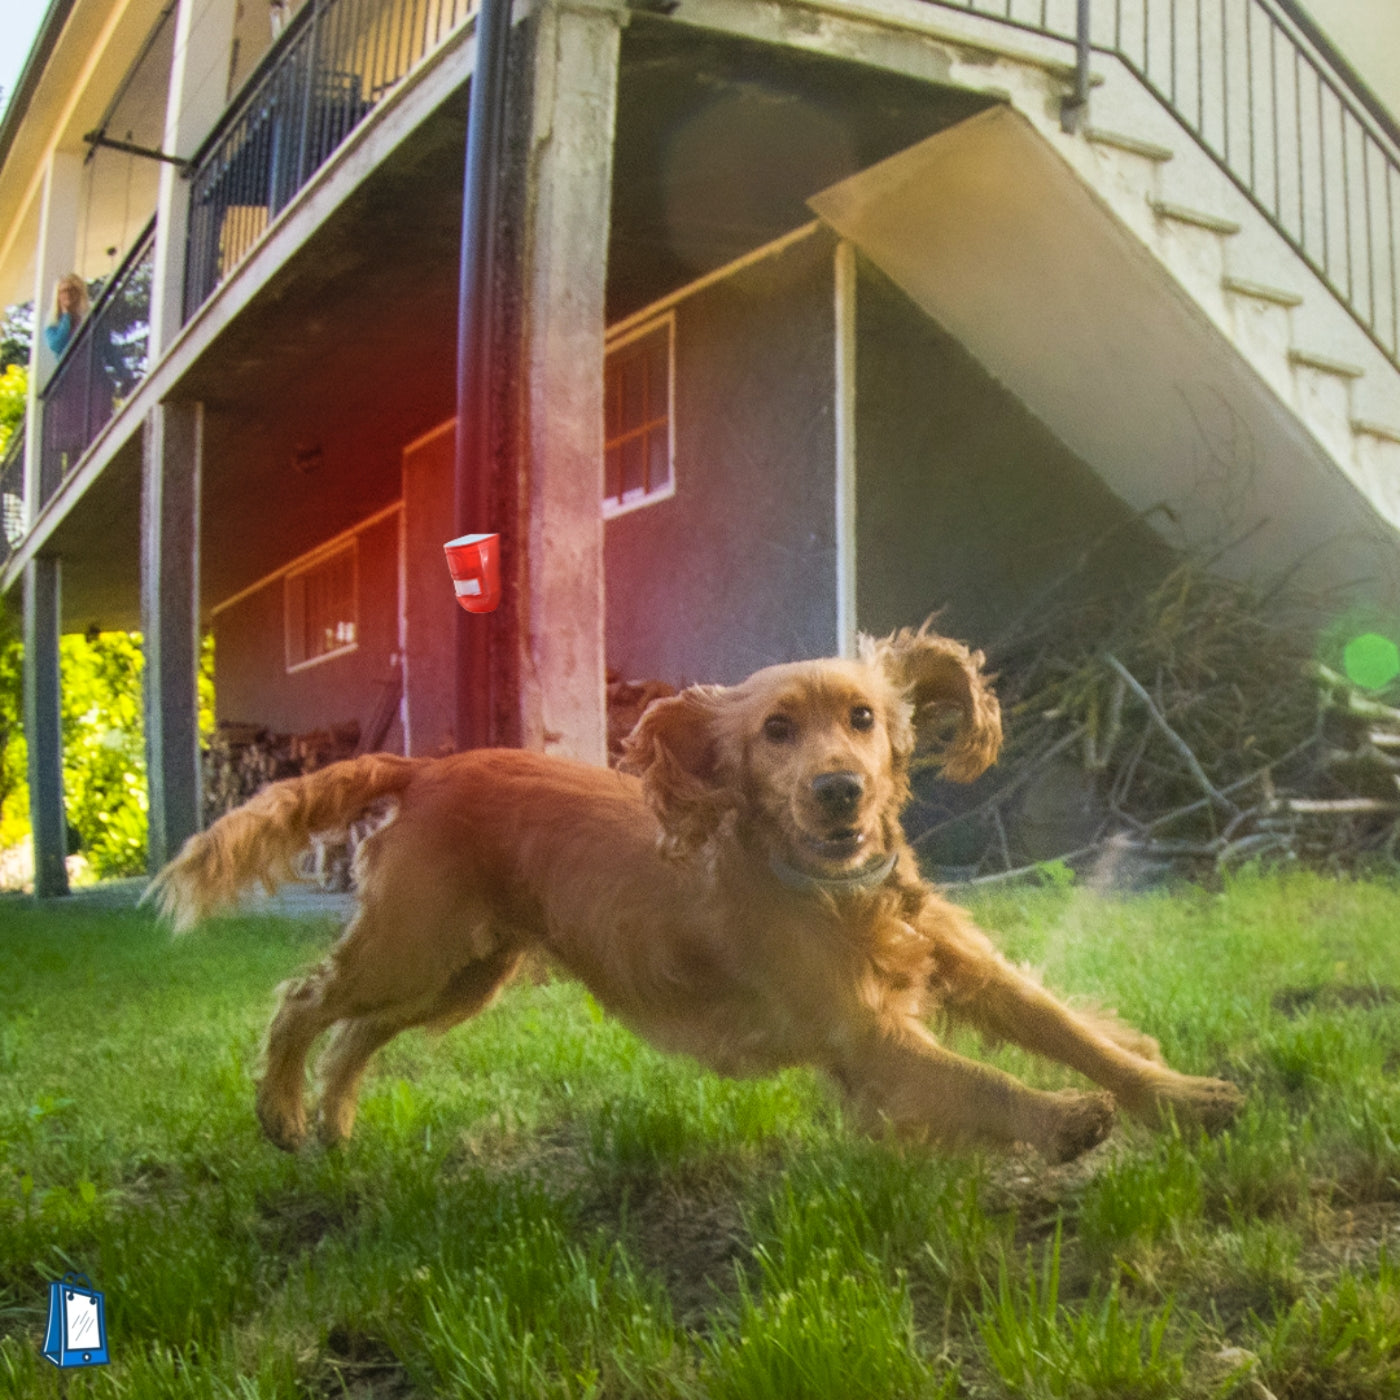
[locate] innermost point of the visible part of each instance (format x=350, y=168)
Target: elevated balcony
x=100, y=369
x=337, y=61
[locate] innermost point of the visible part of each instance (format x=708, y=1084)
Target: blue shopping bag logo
x=77, y=1330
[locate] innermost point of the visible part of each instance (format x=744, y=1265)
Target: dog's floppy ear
x=675, y=751
x=935, y=674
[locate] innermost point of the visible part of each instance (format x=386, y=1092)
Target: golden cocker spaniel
x=744, y=895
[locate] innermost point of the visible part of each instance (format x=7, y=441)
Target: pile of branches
x=1188, y=729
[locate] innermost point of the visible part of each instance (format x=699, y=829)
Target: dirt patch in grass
x=682, y=1225
x=294, y=1222
x=686, y=1229
x=1353, y=1237
x=361, y=1365
x=1296, y=1001
x=1041, y=1193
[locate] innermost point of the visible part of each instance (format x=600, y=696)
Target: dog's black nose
x=838, y=794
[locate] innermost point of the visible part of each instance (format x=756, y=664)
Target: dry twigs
x=1188, y=730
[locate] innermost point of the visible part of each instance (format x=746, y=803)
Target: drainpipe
x=474, y=478
x=1074, y=110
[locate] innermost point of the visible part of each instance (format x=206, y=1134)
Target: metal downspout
x=477, y=329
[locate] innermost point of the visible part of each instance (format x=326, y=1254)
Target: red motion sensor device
x=475, y=564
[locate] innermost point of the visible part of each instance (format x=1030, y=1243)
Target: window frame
x=613, y=506
x=319, y=561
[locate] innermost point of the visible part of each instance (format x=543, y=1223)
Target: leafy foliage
x=14, y=384
x=16, y=334
x=104, y=759
x=14, y=790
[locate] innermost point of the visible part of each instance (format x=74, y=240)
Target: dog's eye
x=862, y=718
x=778, y=728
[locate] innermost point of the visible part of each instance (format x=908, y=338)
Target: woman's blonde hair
x=81, y=304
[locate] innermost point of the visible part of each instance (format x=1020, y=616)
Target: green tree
x=14, y=384
x=104, y=749
x=14, y=788
x=16, y=334
x=104, y=754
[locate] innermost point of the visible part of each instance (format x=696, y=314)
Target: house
x=811, y=315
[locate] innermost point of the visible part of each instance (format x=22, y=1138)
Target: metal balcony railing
x=336, y=61
x=101, y=366
x=13, y=523
x=1258, y=87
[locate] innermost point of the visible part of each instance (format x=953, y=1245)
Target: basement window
x=638, y=431
x=322, y=608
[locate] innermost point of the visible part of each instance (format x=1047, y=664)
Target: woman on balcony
x=70, y=306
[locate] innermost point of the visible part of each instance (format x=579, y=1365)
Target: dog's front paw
x=1210, y=1103
x=1078, y=1122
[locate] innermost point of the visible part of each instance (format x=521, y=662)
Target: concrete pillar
x=204, y=32
x=172, y=450
x=54, y=257
x=43, y=727
x=567, y=215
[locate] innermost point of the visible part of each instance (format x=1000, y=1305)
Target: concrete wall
x=964, y=500
x=738, y=569
x=252, y=684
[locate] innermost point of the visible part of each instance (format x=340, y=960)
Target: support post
x=566, y=221
x=43, y=725
x=172, y=451
x=55, y=255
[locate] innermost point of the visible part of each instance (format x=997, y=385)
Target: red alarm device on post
x=475, y=564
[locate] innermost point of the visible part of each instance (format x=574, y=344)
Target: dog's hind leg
x=424, y=942
x=342, y=1065
x=307, y=1006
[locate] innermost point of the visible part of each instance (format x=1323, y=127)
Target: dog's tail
x=260, y=841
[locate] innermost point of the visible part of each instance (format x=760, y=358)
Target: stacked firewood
x=241, y=759
x=1190, y=730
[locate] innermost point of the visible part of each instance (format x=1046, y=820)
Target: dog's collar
x=861, y=880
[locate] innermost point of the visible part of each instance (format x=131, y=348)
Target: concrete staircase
x=1118, y=273
x=1351, y=405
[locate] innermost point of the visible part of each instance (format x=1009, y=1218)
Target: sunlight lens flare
x=1371, y=661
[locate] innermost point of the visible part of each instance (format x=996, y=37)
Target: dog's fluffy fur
x=727, y=899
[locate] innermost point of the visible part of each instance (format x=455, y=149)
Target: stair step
x=1149, y=150
x=1379, y=430
x=1325, y=363
x=1184, y=215
x=1261, y=292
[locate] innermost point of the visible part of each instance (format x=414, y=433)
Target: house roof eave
x=45, y=41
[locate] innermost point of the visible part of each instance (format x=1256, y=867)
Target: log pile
x=1187, y=731
x=241, y=759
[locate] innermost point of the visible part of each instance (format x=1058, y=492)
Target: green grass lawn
x=537, y=1204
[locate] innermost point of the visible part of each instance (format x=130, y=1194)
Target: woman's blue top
x=60, y=333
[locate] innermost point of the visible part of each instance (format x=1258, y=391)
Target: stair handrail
x=1334, y=197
